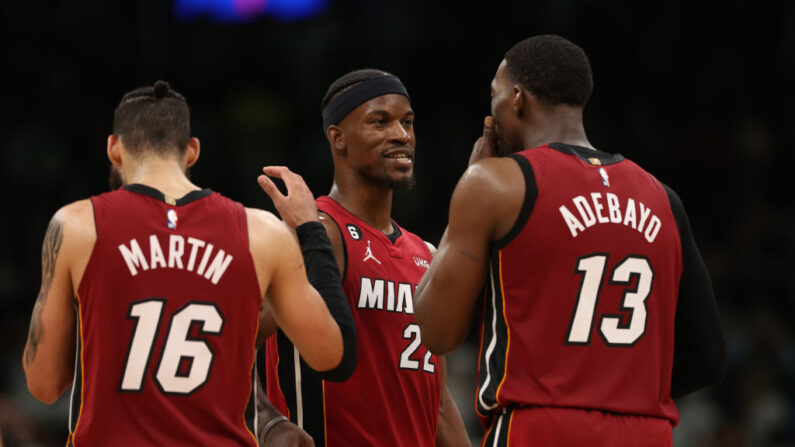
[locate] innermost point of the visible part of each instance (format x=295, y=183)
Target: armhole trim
x=344, y=272
x=530, y=196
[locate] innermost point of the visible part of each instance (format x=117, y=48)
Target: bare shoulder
x=77, y=223
x=490, y=193
x=337, y=244
x=264, y=226
x=333, y=231
x=493, y=174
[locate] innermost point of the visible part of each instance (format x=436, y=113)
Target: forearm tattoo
x=49, y=255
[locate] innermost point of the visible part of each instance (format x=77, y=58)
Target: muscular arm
x=297, y=307
x=450, y=431
x=48, y=360
x=699, y=347
x=485, y=204
x=299, y=211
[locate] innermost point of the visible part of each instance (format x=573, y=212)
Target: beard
x=400, y=184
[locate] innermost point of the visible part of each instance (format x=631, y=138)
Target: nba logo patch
x=171, y=218
x=605, y=178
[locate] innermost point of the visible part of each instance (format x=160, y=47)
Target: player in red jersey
x=396, y=396
x=598, y=309
x=161, y=283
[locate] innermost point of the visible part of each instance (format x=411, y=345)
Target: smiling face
x=379, y=141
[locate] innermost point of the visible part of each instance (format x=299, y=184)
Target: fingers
x=291, y=180
x=488, y=131
x=270, y=188
x=488, y=126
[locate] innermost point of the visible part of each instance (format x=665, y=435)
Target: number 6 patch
x=355, y=232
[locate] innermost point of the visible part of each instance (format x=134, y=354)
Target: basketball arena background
x=700, y=92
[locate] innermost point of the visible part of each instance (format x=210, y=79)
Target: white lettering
x=371, y=294
x=133, y=256
x=195, y=244
x=596, y=197
x=205, y=258
x=390, y=296
x=585, y=211
x=629, y=216
x=571, y=221
x=653, y=228
x=644, y=214
x=405, y=301
x=156, y=257
x=176, y=247
x=218, y=266
x=596, y=211
x=614, y=209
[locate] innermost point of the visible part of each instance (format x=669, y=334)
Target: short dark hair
x=347, y=81
x=154, y=118
x=552, y=68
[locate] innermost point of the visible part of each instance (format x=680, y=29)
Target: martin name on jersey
x=175, y=256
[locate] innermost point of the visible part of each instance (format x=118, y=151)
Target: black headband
x=360, y=93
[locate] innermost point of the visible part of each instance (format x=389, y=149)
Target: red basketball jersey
x=580, y=303
x=392, y=399
x=168, y=315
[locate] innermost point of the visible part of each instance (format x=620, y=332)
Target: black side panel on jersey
x=494, y=342
x=530, y=196
x=307, y=410
x=699, y=346
x=251, y=408
x=498, y=432
x=76, y=401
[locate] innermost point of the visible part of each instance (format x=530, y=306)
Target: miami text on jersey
x=371, y=295
x=212, y=270
x=591, y=212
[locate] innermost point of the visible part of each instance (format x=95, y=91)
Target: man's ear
x=336, y=138
x=192, y=153
x=519, y=100
x=114, y=150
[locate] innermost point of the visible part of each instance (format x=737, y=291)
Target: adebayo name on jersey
x=598, y=209
x=198, y=259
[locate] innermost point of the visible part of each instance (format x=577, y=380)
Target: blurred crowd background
x=699, y=92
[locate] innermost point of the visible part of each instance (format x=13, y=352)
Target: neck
x=164, y=174
x=561, y=124
x=370, y=203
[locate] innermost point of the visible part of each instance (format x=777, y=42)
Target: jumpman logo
x=369, y=254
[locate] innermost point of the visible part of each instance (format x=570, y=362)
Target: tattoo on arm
x=49, y=255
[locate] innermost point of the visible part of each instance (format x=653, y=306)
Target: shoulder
x=336, y=238
x=77, y=219
x=489, y=182
x=264, y=227
x=72, y=230
x=492, y=173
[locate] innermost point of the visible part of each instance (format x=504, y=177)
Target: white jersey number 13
x=592, y=269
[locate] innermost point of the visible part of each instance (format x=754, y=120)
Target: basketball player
x=397, y=395
x=598, y=307
x=161, y=284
